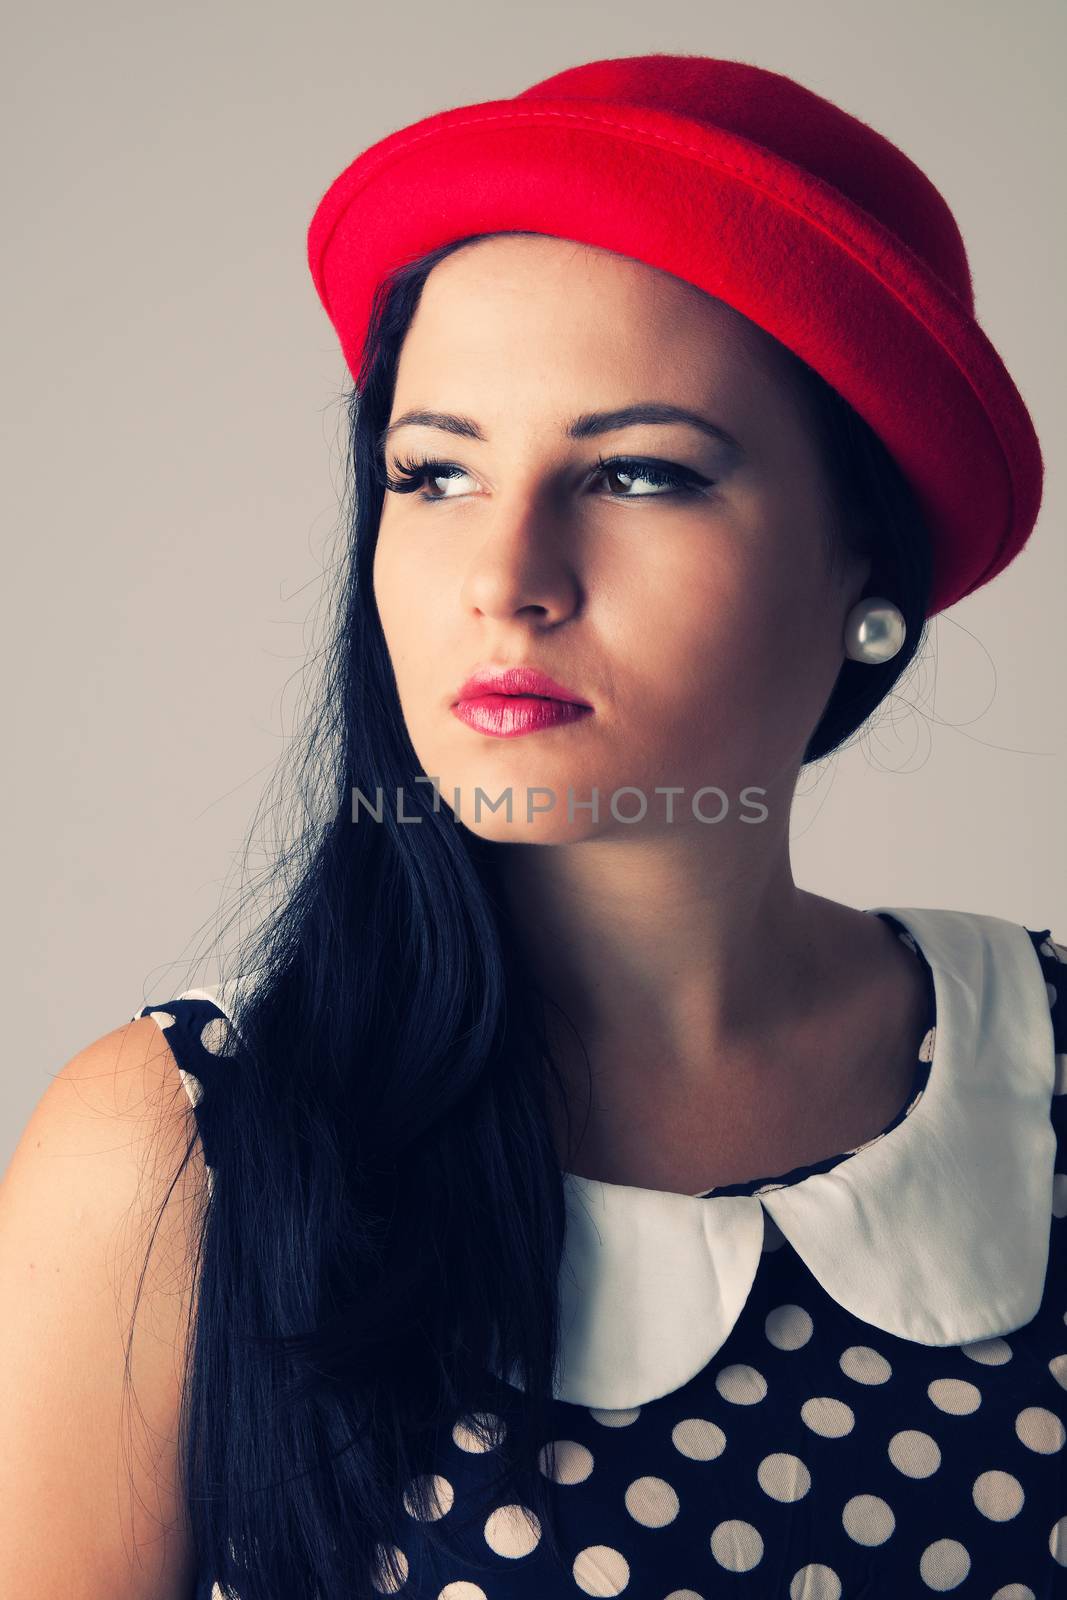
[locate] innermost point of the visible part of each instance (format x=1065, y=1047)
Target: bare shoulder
x=97, y=1243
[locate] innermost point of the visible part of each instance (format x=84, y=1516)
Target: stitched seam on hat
x=832, y=228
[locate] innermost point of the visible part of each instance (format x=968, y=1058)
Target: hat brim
x=831, y=283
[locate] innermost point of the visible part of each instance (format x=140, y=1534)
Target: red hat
x=758, y=191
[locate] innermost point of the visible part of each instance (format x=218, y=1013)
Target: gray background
x=172, y=450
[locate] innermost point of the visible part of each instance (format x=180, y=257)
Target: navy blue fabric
x=844, y=1464
x=185, y=1036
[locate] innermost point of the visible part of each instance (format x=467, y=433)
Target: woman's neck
x=727, y=1029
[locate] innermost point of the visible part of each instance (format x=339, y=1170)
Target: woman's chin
x=549, y=829
x=544, y=810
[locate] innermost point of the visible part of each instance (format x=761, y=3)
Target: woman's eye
x=636, y=472
x=411, y=476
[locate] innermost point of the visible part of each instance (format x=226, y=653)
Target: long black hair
x=378, y=1255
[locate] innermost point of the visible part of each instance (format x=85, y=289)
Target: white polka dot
x=783, y=1477
x=381, y=1580
x=829, y=1418
x=1052, y=992
x=914, y=1454
x=1058, y=1368
x=788, y=1327
x=512, y=1531
x=926, y=1049
x=998, y=1495
x=192, y=1085
x=867, y=1519
x=615, y=1419
x=683, y=1594
x=164, y=1018
x=566, y=1461
x=1059, y=1085
x=1040, y=1430
x=1057, y=1542
x=217, y=1037
x=601, y=1570
x=741, y=1384
x=988, y=1352
x=698, y=1439
x=465, y=1436
x=1015, y=1591
x=815, y=1582
x=864, y=1365
x=651, y=1502
x=955, y=1396
x=737, y=1546
x=1059, y=1194
x=944, y=1565
x=441, y=1497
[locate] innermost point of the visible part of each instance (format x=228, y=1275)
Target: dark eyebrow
x=586, y=426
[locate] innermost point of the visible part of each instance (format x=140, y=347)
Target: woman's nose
x=520, y=566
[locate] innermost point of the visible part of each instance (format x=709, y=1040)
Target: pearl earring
x=874, y=630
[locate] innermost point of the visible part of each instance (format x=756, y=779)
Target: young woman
x=575, y=1205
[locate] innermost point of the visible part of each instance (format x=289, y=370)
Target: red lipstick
x=514, y=700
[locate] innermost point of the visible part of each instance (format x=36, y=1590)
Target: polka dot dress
x=815, y=1457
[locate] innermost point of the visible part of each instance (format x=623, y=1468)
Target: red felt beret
x=760, y=192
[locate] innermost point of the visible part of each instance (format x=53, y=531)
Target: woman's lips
x=508, y=715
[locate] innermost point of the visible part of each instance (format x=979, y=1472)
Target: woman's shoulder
x=95, y=1169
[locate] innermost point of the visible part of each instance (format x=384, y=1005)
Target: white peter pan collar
x=937, y=1232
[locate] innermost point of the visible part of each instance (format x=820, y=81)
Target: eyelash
x=413, y=474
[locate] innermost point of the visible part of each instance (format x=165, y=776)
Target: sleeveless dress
x=841, y=1382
